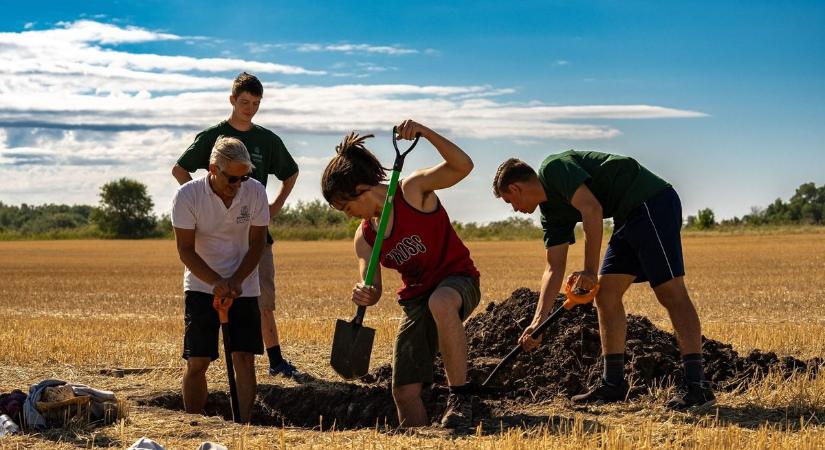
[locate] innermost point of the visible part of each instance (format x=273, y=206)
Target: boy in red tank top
x=440, y=282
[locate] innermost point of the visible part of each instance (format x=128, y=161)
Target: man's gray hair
x=228, y=149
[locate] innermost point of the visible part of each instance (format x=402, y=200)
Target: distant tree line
x=805, y=207
x=35, y=220
x=125, y=212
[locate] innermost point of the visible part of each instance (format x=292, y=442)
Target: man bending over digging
x=587, y=187
x=220, y=225
x=440, y=282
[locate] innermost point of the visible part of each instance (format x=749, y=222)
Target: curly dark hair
x=352, y=165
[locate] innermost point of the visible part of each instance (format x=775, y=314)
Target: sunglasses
x=232, y=179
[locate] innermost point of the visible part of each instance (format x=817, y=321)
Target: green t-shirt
x=268, y=153
x=619, y=183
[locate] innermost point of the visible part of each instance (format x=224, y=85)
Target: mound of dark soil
x=569, y=358
x=567, y=361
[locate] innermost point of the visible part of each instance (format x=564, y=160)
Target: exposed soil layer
x=565, y=363
x=316, y=404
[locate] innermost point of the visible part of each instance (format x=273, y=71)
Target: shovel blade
x=351, y=349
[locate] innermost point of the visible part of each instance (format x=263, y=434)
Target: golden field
x=70, y=308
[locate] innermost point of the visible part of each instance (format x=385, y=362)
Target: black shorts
x=648, y=243
x=201, y=325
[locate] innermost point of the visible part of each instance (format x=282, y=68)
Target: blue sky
x=726, y=100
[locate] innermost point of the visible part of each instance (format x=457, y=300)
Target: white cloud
x=311, y=161
x=66, y=78
x=78, y=111
x=393, y=50
x=346, y=48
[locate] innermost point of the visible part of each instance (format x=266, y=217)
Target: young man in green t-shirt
x=588, y=187
x=269, y=156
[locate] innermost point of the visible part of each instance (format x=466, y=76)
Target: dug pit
x=565, y=364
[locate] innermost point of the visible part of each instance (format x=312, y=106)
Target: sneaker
x=692, y=395
x=459, y=413
x=287, y=369
x=603, y=392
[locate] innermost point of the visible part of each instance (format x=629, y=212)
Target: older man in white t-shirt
x=220, y=225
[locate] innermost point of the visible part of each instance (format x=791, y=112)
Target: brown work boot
x=459, y=413
x=603, y=392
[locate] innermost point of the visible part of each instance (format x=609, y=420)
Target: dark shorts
x=416, y=344
x=648, y=243
x=201, y=325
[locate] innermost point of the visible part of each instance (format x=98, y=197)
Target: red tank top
x=423, y=247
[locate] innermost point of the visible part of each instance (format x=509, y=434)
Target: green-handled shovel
x=352, y=344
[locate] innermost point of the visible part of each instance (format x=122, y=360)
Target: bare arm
x=286, y=188
x=592, y=218
x=257, y=240
x=182, y=175
x=185, y=240
x=361, y=294
x=551, y=282
x=455, y=167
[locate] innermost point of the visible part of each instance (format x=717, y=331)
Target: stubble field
x=70, y=308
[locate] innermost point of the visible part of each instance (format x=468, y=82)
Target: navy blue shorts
x=202, y=326
x=648, y=243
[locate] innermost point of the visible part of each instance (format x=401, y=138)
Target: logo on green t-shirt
x=256, y=155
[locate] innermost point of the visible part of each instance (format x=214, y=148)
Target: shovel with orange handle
x=575, y=296
x=222, y=305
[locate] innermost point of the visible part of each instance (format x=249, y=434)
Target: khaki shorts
x=416, y=344
x=266, y=278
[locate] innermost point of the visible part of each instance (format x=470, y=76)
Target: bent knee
x=197, y=366
x=444, y=302
x=607, y=300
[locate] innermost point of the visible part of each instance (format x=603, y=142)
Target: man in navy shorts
x=220, y=224
x=587, y=187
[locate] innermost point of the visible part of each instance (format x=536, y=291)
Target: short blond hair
x=228, y=149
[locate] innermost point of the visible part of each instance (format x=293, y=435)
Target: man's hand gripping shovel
x=352, y=344
x=575, y=296
x=222, y=305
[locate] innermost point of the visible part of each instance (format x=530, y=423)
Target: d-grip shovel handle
x=222, y=305
x=574, y=298
x=399, y=157
x=385, y=215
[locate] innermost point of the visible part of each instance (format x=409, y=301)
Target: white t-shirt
x=221, y=233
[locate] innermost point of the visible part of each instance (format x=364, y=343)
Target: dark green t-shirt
x=619, y=183
x=268, y=153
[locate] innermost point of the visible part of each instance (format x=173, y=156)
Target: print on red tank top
x=422, y=246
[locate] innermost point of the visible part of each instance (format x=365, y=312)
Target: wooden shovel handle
x=222, y=305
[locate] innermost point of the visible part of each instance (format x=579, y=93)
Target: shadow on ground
x=792, y=418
